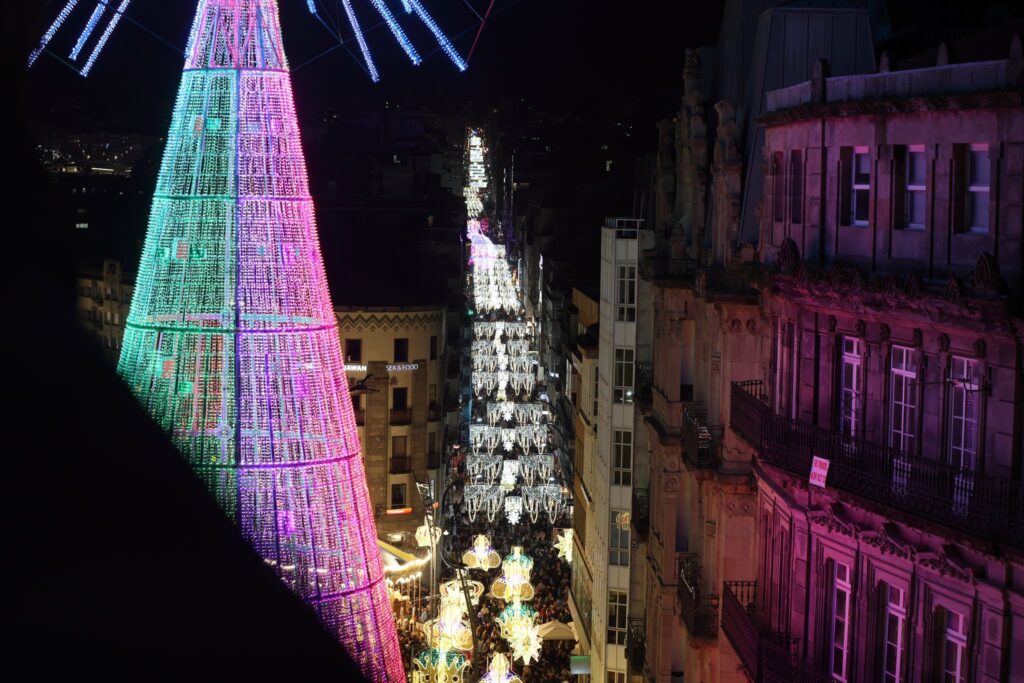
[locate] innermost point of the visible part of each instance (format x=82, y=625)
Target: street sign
x=819, y=471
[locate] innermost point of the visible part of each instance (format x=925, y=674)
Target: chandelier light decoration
x=481, y=555
x=449, y=631
x=500, y=671
x=563, y=544
x=439, y=666
x=513, y=509
x=514, y=583
x=231, y=342
x=453, y=588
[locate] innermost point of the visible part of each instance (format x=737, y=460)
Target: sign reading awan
x=819, y=471
x=396, y=367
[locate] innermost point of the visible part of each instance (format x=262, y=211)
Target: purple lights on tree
x=231, y=342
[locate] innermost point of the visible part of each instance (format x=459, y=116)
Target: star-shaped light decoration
x=527, y=646
x=500, y=671
x=563, y=544
x=481, y=555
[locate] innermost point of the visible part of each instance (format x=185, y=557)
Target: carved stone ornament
x=832, y=519
x=917, y=337
x=856, y=280
x=888, y=541
x=889, y=286
x=674, y=325
x=789, y=256
x=952, y=293
x=752, y=327
x=671, y=484
x=861, y=328
x=736, y=326
x=980, y=348
x=884, y=332
x=944, y=342
x=986, y=278
x=832, y=324
x=803, y=274
x=912, y=286
x=946, y=562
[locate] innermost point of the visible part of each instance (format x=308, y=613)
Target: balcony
x=433, y=411
x=738, y=599
x=433, y=458
x=699, y=611
x=360, y=416
x=636, y=648
x=642, y=384
x=401, y=416
x=641, y=512
x=700, y=444
x=988, y=507
x=777, y=662
x=400, y=464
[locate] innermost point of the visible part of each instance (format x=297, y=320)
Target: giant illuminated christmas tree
x=231, y=343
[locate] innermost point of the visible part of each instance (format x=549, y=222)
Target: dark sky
x=559, y=53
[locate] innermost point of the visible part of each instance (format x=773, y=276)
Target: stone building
x=395, y=362
x=889, y=342
x=104, y=295
x=697, y=476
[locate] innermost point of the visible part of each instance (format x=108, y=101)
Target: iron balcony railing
x=401, y=416
x=738, y=623
x=433, y=458
x=960, y=498
x=643, y=382
x=697, y=436
x=433, y=411
x=699, y=611
x=641, y=512
x=400, y=464
x=778, y=662
x=636, y=639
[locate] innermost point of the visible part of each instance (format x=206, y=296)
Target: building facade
x=104, y=295
x=890, y=347
x=395, y=363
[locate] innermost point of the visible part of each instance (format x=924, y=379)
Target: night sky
x=591, y=56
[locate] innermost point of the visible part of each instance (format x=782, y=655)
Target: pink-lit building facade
x=869, y=313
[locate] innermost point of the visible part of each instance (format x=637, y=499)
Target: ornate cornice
x=371, y=322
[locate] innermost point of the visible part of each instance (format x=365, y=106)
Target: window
x=893, y=633
x=401, y=350
x=976, y=169
x=903, y=398
x=622, y=458
x=779, y=189
x=433, y=347
x=398, y=447
x=855, y=185
x=849, y=387
x=618, y=541
x=353, y=350
x=625, y=294
x=616, y=677
x=796, y=191
x=616, y=618
x=398, y=498
x=953, y=647
x=623, y=391
x=963, y=413
x=399, y=398
x=841, y=590
x=915, y=188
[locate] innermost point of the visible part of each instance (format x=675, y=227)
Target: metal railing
x=401, y=416
x=433, y=411
x=643, y=381
x=433, y=458
x=699, y=611
x=778, y=662
x=636, y=639
x=748, y=405
x=960, y=498
x=738, y=623
x=400, y=464
x=697, y=436
x=641, y=512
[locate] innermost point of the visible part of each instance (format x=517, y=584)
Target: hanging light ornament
x=437, y=666
x=454, y=588
x=424, y=534
x=526, y=646
x=515, y=621
x=514, y=583
x=563, y=544
x=449, y=631
x=500, y=671
x=481, y=555
x=513, y=509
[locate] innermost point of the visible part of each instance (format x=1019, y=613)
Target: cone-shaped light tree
x=231, y=343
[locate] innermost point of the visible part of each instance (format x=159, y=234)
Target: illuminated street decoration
x=50, y=32
x=500, y=671
x=231, y=342
x=526, y=644
x=427, y=535
x=563, y=544
x=453, y=588
x=481, y=555
x=437, y=666
x=449, y=631
x=514, y=583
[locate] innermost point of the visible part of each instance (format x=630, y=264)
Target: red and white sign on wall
x=819, y=471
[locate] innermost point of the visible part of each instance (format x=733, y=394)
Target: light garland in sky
x=50, y=32
x=90, y=25
x=111, y=25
